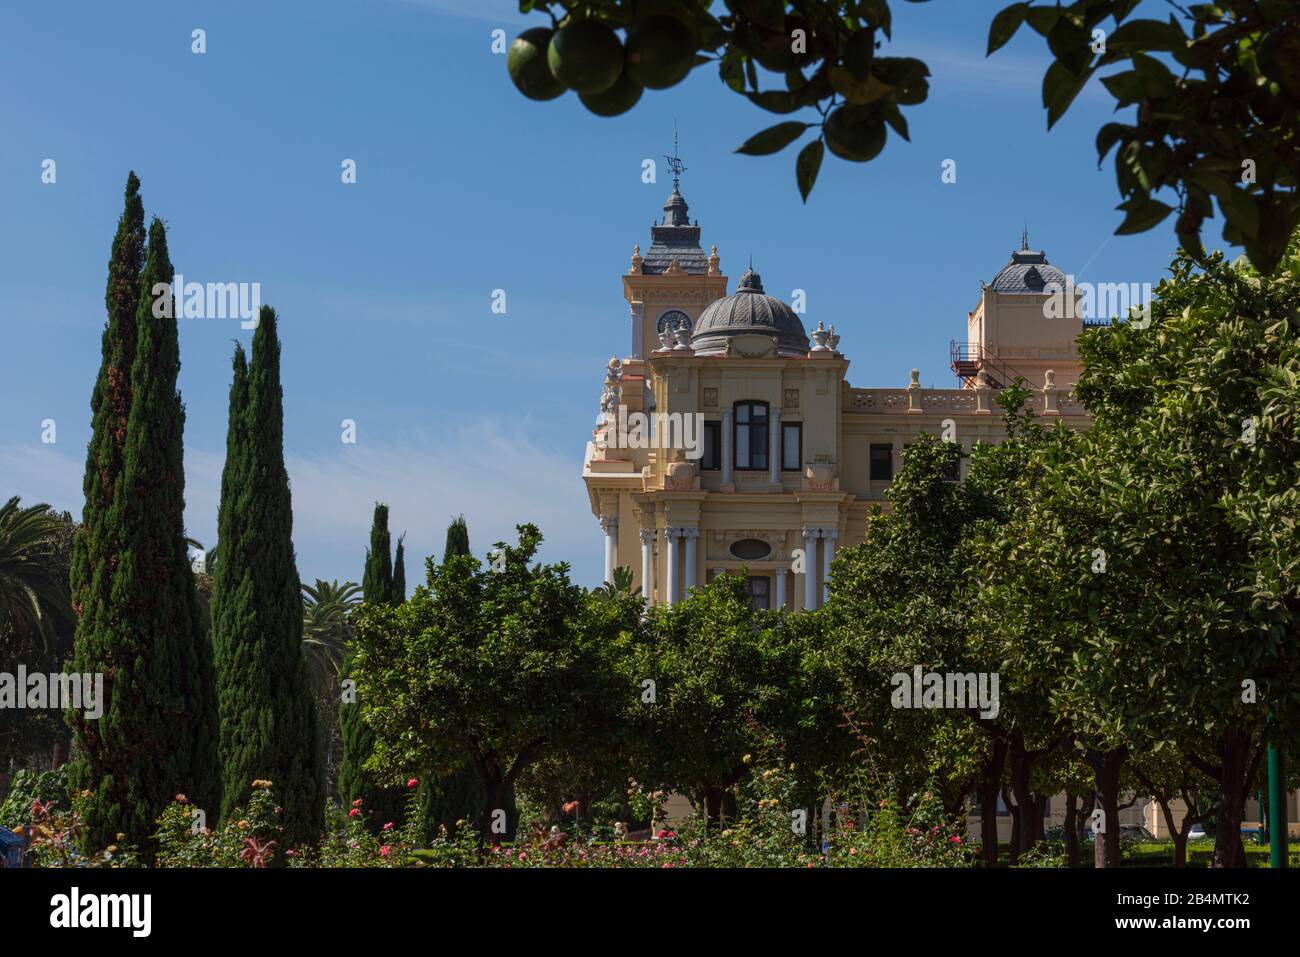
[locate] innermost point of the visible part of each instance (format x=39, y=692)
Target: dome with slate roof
x=749, y=311
x=1028, y=273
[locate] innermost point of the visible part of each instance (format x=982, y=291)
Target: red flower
x=353, y=813
x=954, y=839
x=383, y=851
x=357, y=803
x=255, y=854
x=412, y=783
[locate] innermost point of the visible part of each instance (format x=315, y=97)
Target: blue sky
x=463, y=186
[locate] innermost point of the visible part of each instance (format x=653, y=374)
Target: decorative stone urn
x=821, y=335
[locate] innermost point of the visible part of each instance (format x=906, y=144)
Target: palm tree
x=326, y=629
x=33, y=599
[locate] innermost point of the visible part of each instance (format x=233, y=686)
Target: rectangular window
x=882, y=463
x=791, y=446
x=759, y=590
x=750, y=428
x=711, y=460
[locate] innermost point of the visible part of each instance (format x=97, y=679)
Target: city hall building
x=764, y=456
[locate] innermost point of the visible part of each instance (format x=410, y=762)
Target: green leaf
x=1005, y=25
x=894, y=117
x=1143, y=213
x=1143, y=35
x=773, y=139
x=1042, y=19
x=1060, y=87
x=1109, y=135
x=776, y=101
x=807, y=166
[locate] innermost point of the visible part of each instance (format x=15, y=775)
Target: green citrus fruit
x=660, y=52
x=585, y=56
x=853, y=139
x=526, y=62
x=619, y=98
x=915, y=92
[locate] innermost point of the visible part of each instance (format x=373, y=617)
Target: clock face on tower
x=674, y=319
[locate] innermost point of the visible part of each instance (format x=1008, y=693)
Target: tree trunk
x=990, y=785
x=1235, y=771
x=1069, y=829
x=494, y=821
x=59, y=755
x=1030, y=817
x=1016, y=824
x=1106, y=767
x=1086, y=803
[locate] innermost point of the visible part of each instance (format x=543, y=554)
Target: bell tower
x=669, y=285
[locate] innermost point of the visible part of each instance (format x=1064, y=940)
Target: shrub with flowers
x=251, y=837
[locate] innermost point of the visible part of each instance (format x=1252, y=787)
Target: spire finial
x=675, y=162
x=1024, y=237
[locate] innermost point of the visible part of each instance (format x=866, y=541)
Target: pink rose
x=383, y=851
x=353, y=813
x=412, y=783
x=388, y=826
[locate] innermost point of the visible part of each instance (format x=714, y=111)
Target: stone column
x=809, y=569
x=726, y=448
x=638, y=328
x=647, y=563
x=828, y=555
x=609, y=524
x=780, y=587
x=691, y=535
x=670, y=542
x=774, y=447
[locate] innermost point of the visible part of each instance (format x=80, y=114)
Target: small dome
x=749, y=311
x=1029, y=272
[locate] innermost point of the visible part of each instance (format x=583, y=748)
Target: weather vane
x=675, y=162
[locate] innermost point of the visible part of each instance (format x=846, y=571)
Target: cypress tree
x=139, y=611
x=269, y=728
x=379, y=804
x=399, y=572
x=459, y=795
x=457, y=539
x=377, y=581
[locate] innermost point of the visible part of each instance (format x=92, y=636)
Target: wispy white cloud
x=491, y=470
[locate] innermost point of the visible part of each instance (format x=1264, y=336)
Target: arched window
x=750, y=436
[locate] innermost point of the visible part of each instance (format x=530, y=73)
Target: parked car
x=1197, y=833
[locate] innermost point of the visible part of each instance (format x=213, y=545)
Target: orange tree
x=1214, y=87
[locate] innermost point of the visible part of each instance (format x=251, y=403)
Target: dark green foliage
x=399, y=572
x=133, y=585
x=377, y=582
x=269, y=729
x=457, y=539
x=379, y=805
x=448, y=798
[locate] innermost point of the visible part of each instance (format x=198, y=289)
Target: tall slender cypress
x=139, y=611
x=399, y=571
x=457, y=539
x=379, y=804
x=269, y=728
x=377, y=580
